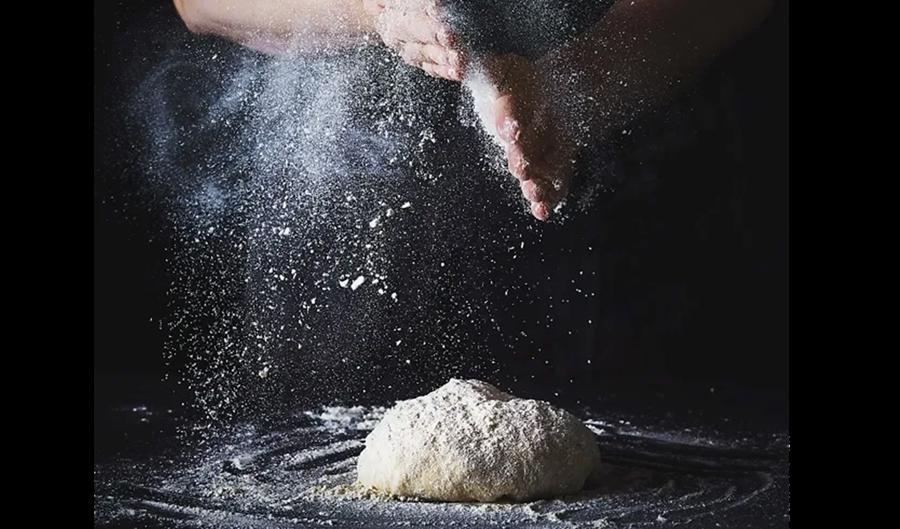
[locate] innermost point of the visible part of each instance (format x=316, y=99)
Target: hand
x=418, y=32
x=537, y=146
x=538, y=143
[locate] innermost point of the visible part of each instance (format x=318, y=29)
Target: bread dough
x=469, y=441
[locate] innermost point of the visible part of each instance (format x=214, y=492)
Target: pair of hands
x=538, y=150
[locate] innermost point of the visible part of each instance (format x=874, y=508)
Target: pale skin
x=635, y=58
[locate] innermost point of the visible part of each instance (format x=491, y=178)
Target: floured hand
x=536, y=143
x=539, y=146
x=417, y=30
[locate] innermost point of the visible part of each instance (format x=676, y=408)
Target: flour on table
x=469, y=441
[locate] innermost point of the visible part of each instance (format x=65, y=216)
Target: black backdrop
x=716, y=246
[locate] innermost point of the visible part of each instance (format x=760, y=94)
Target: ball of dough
x=469, y=441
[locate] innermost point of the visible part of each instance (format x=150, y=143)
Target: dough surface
x=469, y=441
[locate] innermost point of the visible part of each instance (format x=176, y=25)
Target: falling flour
x=483, y=93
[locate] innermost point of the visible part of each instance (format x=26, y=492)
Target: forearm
x=642, y=50
x=280, y=26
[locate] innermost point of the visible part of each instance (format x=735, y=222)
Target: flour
x=303, y=476
x=334, y=178
x=483, y=93
x=468, y=441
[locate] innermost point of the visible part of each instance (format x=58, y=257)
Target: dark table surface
x=673, y=456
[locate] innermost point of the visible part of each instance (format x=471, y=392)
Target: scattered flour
x=339, y=418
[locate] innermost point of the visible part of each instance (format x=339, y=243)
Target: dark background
x=691, y=249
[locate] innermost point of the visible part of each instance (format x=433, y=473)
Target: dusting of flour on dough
x=469, y=441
